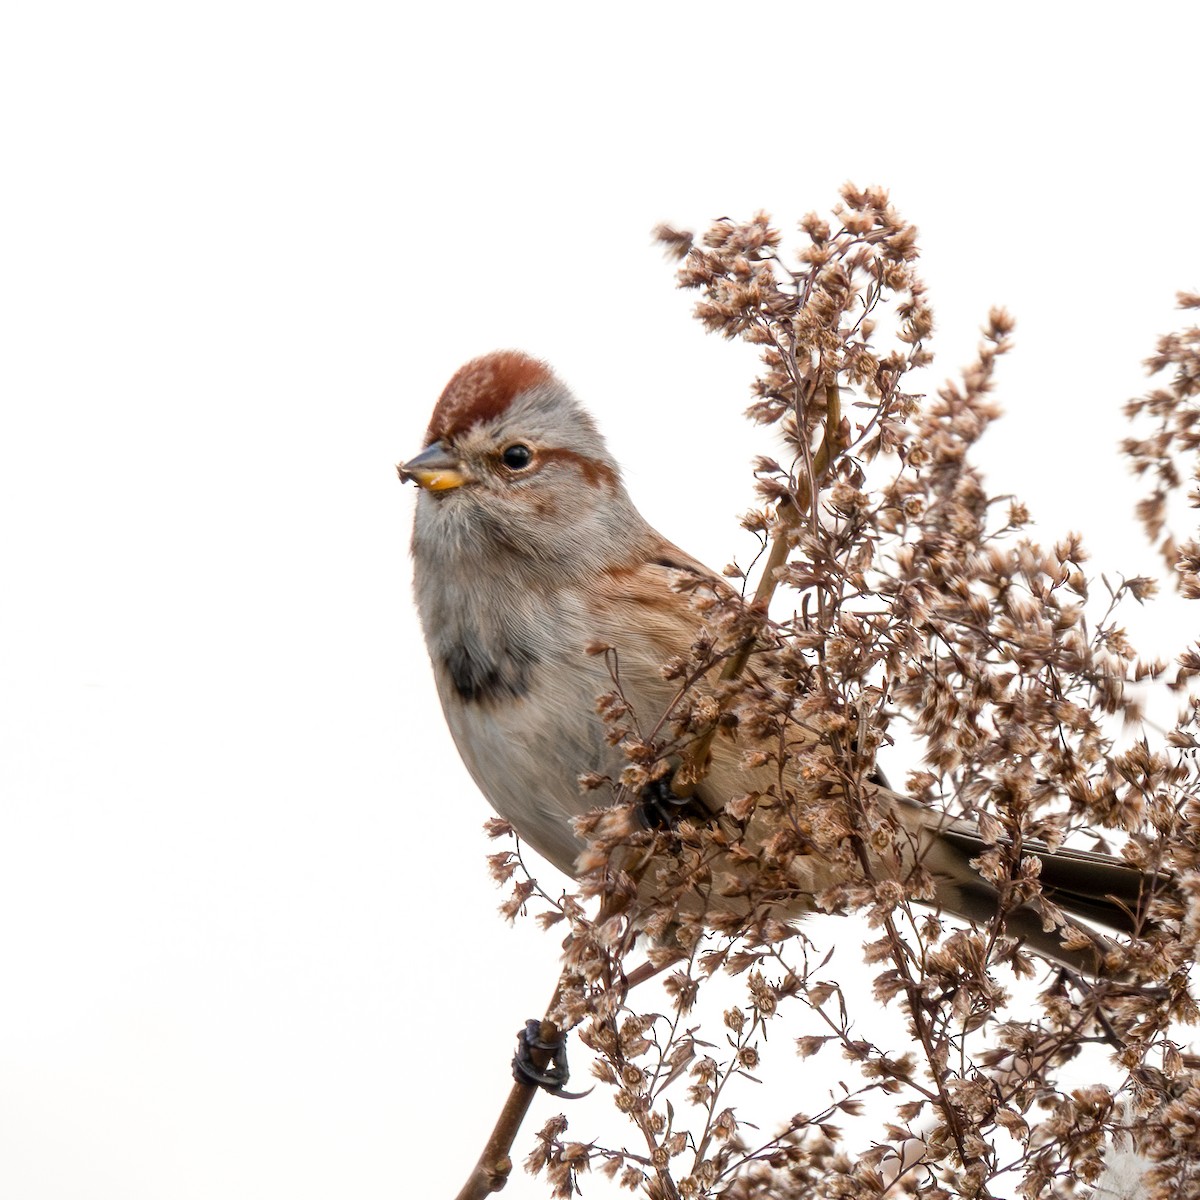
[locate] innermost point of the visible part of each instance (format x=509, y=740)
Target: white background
x=248, y=945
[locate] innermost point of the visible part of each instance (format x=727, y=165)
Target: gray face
x=531, y=489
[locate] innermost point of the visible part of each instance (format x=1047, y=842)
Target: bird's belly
x=526, y=757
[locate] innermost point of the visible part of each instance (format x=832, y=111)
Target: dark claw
x=660, y=808
x=553, y=1076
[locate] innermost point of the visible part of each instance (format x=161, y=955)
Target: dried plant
x=906, y=603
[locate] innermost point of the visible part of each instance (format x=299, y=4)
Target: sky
x=250, y=945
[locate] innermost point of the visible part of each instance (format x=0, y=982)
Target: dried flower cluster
x=908, y=602
x=1175, y=411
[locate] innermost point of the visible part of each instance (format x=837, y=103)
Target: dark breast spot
x=480, y=677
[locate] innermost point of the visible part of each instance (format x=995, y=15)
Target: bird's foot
x=660, y=808
x=552, y=1073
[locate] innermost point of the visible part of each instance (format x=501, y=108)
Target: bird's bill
x=435, y=469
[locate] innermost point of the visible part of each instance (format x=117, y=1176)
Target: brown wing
x=1095, y=887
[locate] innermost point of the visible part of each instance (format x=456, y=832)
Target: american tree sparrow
x=527, y=552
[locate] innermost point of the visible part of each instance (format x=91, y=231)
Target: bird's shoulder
x=661, y=576
x=656, y=598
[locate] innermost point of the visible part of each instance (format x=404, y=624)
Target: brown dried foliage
x=919, y=606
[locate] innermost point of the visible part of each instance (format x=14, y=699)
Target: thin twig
x=689, y=774
x=491, y=1172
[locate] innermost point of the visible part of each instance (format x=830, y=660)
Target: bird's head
x=514, y=466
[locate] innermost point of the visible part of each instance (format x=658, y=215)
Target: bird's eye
x=517, y=457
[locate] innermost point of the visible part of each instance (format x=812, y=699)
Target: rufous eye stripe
x=593, y=472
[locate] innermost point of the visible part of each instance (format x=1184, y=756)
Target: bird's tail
x=1096, y=888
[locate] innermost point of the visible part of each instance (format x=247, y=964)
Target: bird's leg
x=541, y=1057
x=660, y=808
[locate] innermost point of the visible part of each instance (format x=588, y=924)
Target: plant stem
x=689, y=774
